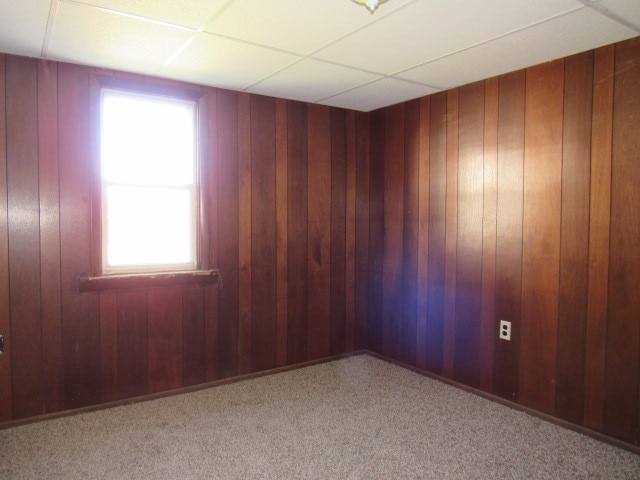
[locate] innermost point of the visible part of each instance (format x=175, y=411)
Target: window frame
x=98, y=279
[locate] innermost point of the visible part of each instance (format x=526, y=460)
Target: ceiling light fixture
x=370, y=4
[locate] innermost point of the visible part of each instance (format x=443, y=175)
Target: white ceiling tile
x=91, y=36
x=299, y=26
x=628, y=10
x=577, y=32
x=311, y=81
x=22, y=26
x=381, y=93
x=192, y=13
x=220, y=62
x=426, y=30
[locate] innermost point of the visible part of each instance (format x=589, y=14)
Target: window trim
x=166, y=89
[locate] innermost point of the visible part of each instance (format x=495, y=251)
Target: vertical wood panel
x=436, y=243
x=297, y=220
x=211, y=341
x=509, y=230
x=193, y=334
x=541, y=234
x=263, y=233
x=80, y=312
x=244, y=231
x=376, y=231
x=165, y=338
x=423, y=234
x=281, y=231
x=6, y=410
x=623, y=328
x=132, y=341
x=468, y=312
x=24, y=230
x=108, y=346
x=392, y=263
x=599, y=222
x=410, y=237
x=488, y=327
x=319, y=235
x=350, y=232
x=572, y=305
x=227, y=181
x=49, y=236
x=338, y=223
x=211, y=292
x=451, y=230
x=362, y=228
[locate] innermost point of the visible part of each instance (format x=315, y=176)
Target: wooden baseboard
x=177, y=391
x=143, y=398
x=516, y=406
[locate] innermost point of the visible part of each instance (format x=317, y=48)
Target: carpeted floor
x=357, y=418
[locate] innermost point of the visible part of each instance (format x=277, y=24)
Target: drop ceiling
x=331, y=52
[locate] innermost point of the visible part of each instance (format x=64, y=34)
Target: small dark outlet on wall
x=1, y=344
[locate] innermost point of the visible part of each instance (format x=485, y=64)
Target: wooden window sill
x=144, y=280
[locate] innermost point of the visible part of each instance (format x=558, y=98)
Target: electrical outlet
x=1, y=344
x=505, y=330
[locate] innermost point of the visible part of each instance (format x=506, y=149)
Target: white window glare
x=149, y=182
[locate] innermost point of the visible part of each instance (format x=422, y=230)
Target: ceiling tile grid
x=311, y=80
x=192, y=13
x=92, y=36
x=425, y=30
x=23, y=26
x=378, y=94
x=332, y=52
x=565, y=35
x=212, y=60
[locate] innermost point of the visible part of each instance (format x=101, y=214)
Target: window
x=148, y=167
x=149, y=214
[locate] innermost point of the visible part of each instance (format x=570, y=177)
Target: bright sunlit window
x=149, y=182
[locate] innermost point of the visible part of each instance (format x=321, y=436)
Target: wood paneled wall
x=516, y=198
x=410, y=231
x=282, y=225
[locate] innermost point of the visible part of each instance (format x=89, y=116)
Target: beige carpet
x=357, y=418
